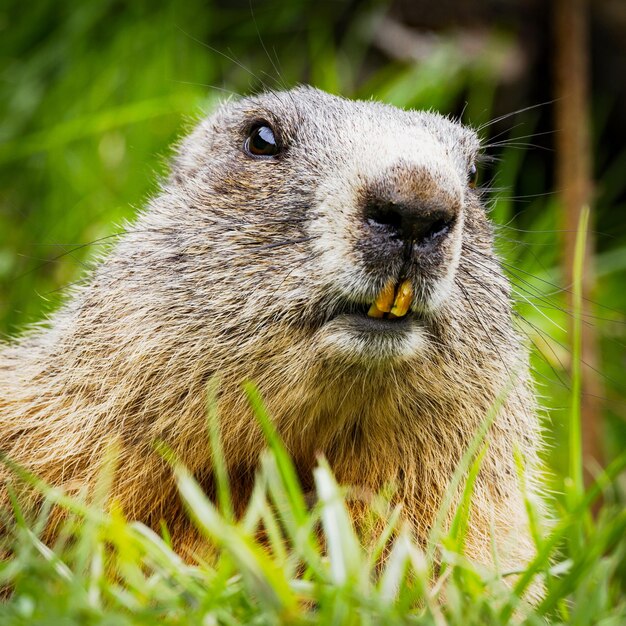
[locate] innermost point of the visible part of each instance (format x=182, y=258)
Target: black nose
x=410, y=220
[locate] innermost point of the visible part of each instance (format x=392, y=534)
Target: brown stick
x=574, y=180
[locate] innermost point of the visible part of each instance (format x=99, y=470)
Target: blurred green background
x=93, y=94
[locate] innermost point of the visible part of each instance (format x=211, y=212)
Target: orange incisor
x=392, y=303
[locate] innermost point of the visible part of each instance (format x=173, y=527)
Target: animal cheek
x=334, y=231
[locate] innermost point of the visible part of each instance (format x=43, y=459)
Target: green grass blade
x=283, y=459
x=220, y=470
x=575, y=440
x=466, y=460
x=343, y=549
x=264, y=579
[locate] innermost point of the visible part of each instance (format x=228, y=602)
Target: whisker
x=232, y=59
x=521, y=145
x=517, y=138
x=192, y=83
x=512, y=113
x=511, y=269
x=279, y=244
x=66, y=253
x=485, y=330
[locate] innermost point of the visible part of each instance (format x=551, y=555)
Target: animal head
x=349, y=227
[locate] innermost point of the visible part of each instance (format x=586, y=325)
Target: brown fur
x=234, y=271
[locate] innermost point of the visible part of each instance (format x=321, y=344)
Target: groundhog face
x=346, y=221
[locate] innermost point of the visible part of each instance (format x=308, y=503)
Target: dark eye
x=261, y=142
x=472, y=176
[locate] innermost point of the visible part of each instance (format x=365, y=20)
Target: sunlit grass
x=311, y=567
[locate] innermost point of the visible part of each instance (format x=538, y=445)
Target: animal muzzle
x=409, y=226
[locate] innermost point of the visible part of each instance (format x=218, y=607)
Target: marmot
x=335, y=252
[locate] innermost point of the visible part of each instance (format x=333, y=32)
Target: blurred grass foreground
x=93, y=94
x=311, y=567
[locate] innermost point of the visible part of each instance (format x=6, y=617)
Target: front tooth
x=403, y=300
x=384, y=300
x=374, y=311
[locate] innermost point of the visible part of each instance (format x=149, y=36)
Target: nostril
x=429, y=228
x=410, y=223
x=387, y=215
